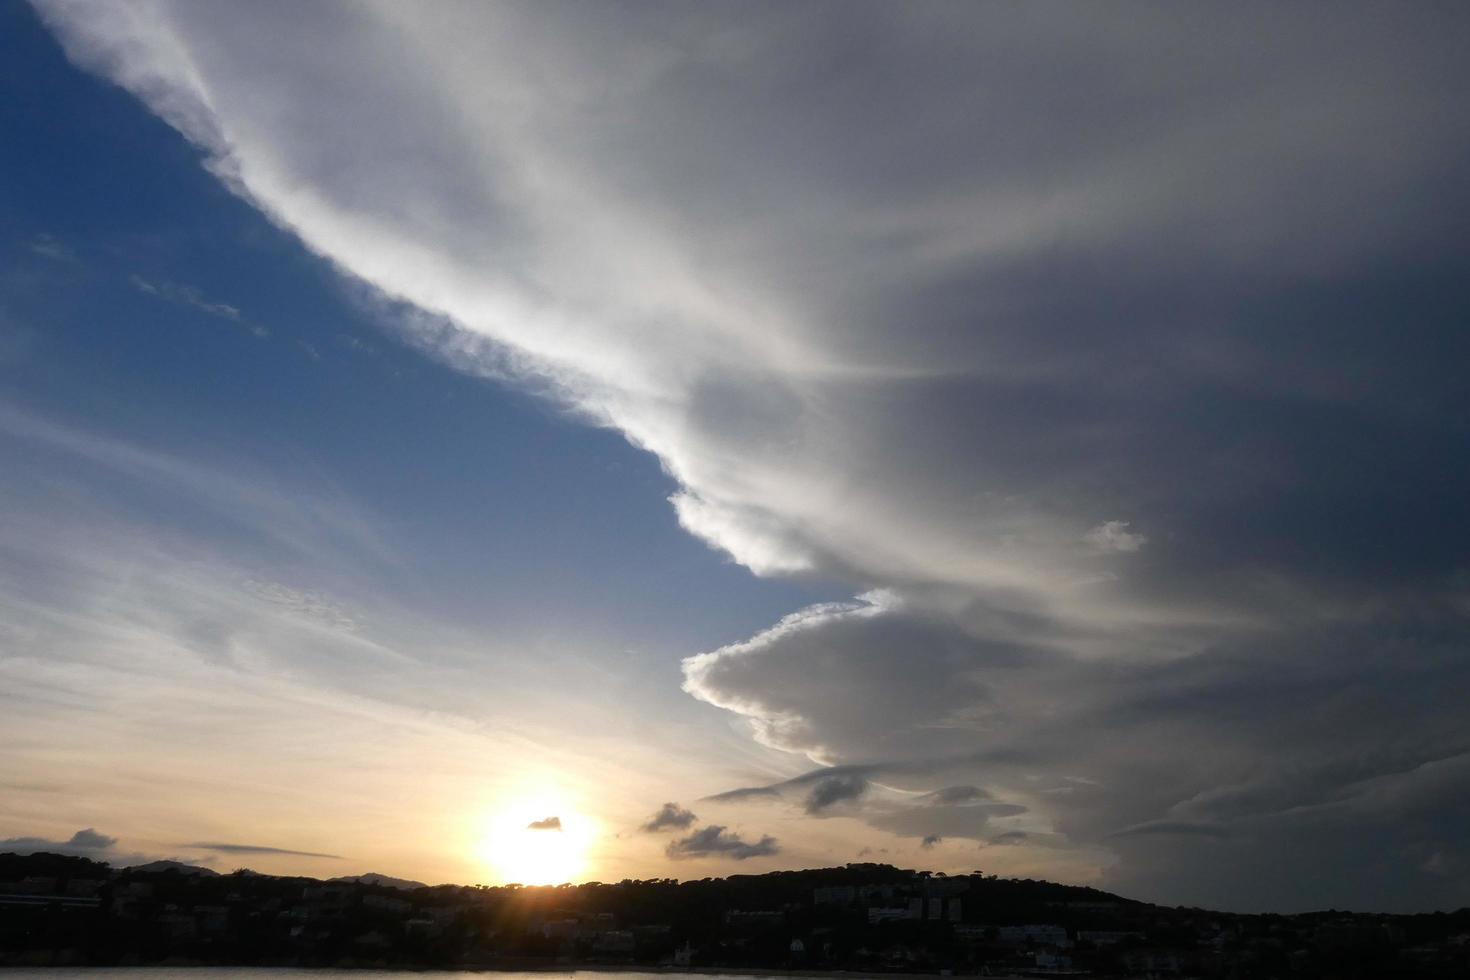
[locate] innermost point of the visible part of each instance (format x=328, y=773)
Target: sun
x=536, y=840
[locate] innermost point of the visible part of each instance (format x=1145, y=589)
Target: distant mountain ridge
x=373, y=878
x=178, y=866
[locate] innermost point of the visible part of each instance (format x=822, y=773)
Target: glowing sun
x=537, y=841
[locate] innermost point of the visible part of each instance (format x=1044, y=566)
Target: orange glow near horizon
x=515, y=852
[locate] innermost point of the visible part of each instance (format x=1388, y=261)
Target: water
x=300, y=973
x=296, y=973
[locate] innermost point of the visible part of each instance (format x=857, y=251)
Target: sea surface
x=301, y=973
x=296, y=973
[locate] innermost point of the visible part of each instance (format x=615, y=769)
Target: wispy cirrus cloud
x=49, y=246
x=190, y=297
x=185, y=296
x=143, y=661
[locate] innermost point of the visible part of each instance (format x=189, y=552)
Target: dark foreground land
x=862, y=918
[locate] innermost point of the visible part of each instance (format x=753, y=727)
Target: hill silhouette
x=62, y=910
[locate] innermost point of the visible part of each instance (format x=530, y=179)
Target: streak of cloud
x=226, y=848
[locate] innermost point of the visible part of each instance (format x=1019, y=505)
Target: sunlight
x=515, y=851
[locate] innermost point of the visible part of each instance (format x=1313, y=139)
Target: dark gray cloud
x=1202, y=773
x=716, y=841
x=670, y=816
x=930, y=840
x=91, y=840
x=831, y=790
x=1184, y=827
x=1136, y=398
x=952, y=795
x=87, y=843
x=745, y=793
x=824, y=786
x=957, y=811
x=548, y=823
x=226, y=848
x=923, y=818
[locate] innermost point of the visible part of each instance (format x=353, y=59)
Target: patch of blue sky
x=144, y=305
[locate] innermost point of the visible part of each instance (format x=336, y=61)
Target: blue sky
x=497, y=505
x=921, y=432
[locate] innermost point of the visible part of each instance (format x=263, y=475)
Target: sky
x=555, y=441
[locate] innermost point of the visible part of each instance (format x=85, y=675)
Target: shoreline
x=562, y=969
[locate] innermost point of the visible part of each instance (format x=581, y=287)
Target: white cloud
x=1115, y=536
x=530, y=178
x=50, y=247
x=185, y=296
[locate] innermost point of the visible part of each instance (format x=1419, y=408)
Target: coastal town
x=59, y=910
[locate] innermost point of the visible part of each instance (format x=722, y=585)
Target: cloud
x=188, y=296
x=1184, y=827
x=87, y=843
x=828, y=785
x=50, y=247
x=958, y=811
x=1114, y=536
x=967, y=817
x=745, y=793
x=185, y=296
x=224, y=848
x=149, y=643
x=671, y=816
x=1167, y=748
x=1125, y=278
x=548, y=823
x=311, y=522
x=835, y=789
x=84, y=842
x=716, y=841
x=90, y=840
x=765, y=357
x=956, y=795
x=930, y=840
x=305, y=603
